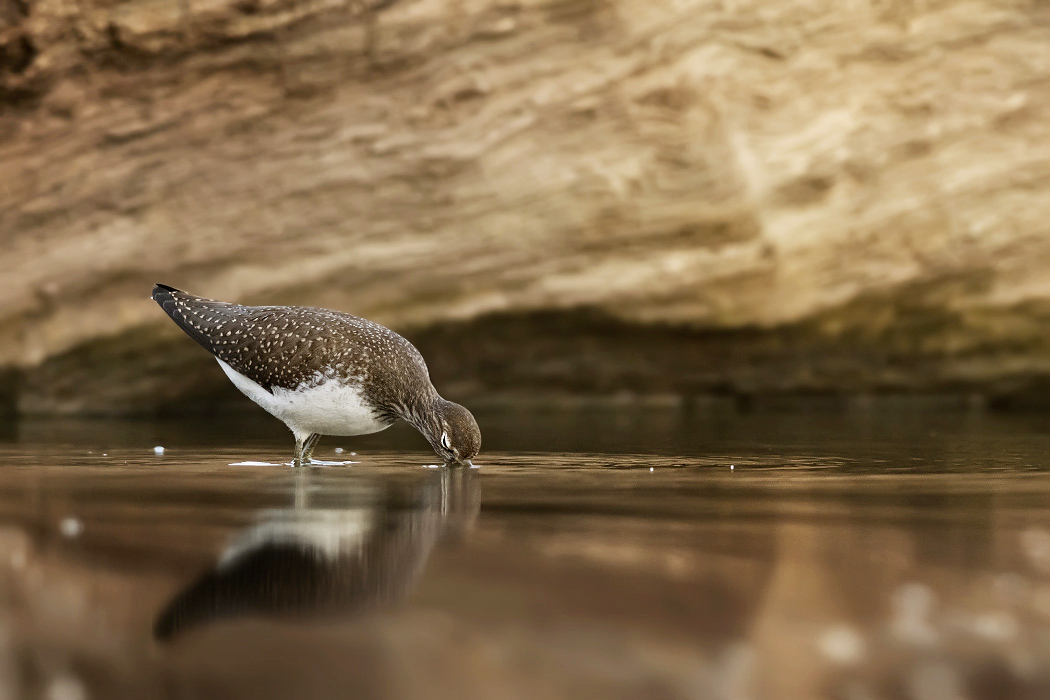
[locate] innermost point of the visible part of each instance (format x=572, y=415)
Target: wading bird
x=324, y=372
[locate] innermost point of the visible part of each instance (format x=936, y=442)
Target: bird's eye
x=445, y=442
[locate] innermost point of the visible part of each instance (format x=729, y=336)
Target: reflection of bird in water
x=307, y=560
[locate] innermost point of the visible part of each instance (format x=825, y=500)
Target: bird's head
x=453, y=433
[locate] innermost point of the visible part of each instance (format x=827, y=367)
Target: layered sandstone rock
x=569, y=194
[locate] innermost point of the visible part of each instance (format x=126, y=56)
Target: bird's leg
x=306, y=452
x=297, y=458
x=304, y=449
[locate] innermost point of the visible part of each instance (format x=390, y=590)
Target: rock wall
x=589, y=195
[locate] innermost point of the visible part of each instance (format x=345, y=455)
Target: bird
x=324, y=372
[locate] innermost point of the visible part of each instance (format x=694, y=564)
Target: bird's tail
x=195, y=315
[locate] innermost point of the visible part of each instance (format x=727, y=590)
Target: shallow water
x=896, y=552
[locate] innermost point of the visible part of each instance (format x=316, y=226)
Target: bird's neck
x=421, y=411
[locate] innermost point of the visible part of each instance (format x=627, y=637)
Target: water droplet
x=71, y=527
x=913, y=603
x=158, y=450
x=842, y=644
x=998, y=627
x=66, y=687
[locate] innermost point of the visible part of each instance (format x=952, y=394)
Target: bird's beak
x=460, y=463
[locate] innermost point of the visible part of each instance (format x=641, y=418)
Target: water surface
x=597, y=553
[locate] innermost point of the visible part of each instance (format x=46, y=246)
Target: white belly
x=330, y=408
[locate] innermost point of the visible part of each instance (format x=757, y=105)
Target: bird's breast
x=327, y=405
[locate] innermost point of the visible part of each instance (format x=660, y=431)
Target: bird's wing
x=286, y=346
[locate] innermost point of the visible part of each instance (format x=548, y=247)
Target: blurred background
x=554, y=197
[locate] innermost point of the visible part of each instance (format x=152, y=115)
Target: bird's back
x=293, y=346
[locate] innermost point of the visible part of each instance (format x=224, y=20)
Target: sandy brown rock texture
x=669, y=196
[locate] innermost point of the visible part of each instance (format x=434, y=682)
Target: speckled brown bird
x=324, y=372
